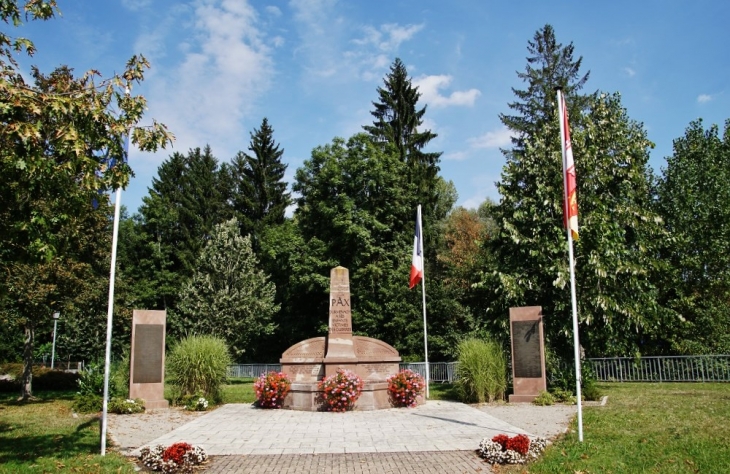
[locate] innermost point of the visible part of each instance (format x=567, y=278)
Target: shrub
x=591, y=392
x=340, y=391
x=178, y=457
x=88, y=403
x=47, y=379
x=196, y=403
x=405, y=387
x=125, y=406
x=271, y=389
x=198, y=365
x=482, y=371
x=119, y=377
x=562, y=396
x=544, y=399
x=91, y=380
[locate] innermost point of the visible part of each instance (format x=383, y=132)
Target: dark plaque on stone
x=526, y=345
x=148, y=352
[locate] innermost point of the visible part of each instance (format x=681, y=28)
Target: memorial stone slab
x=528, y=353
x=147, y=361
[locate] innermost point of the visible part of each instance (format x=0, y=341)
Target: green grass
x=443, y=391
x=43, y=436
x=238, y=390
x=647, y=428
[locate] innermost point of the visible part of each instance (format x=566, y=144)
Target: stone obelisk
x=340, y=346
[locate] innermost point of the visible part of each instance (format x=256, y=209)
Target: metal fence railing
x=438, y=371
x=702, y=368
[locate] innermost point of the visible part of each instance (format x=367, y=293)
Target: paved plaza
x=439, y=436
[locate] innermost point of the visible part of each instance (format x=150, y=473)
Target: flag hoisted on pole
x=418, y=275
x=570, y=205
x=110, y=310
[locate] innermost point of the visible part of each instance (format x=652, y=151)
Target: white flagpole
x=573, y=299
x=110, y=310
x=109, y=318
x=423, y=293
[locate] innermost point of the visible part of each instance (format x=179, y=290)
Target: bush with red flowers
x=340, y=391
x=518, y=449
x=178, y=457
x=405, y=387
x=271, y=389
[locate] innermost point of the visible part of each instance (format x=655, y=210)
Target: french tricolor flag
x=417, y=263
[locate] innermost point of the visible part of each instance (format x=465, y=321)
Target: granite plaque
x=526, y=341
x=148, y=353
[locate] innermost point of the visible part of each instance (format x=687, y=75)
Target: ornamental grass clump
x=405, y=387
x=482, y=371
x=340, y=391
x=271, y=389
x=515, y=450
x=178, y=457
x=198, y=366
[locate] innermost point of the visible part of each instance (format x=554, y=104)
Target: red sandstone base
x=303, y=397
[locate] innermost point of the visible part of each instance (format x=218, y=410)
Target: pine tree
x=397, y=122
x=259, y=195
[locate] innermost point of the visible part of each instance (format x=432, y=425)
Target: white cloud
x=630, y=72
x=225, y=67
x=273, y=10
x=702, y=98
x=492, y=139
x=396, y=34
x=429, y=87
x=456, y=156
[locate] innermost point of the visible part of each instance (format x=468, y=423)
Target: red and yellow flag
x=570, y=205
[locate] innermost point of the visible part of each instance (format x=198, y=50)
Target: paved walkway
x=439, y=436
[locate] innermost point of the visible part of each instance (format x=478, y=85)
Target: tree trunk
x=26, y=392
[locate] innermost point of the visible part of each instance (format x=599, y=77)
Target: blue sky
x=312, y=68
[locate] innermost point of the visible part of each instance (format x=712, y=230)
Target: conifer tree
x=259, y=196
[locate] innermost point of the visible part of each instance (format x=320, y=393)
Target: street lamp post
x=56, y=315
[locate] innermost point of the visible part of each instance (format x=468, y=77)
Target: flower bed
x=515, y=450
x=340, y=391
x=179, y=457
x=405, y=387
x=271, y=389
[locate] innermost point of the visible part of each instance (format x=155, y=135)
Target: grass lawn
x=239, y=390
x=646, y=428
x=43, y=436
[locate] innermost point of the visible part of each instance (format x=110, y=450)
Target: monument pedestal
x=147, y=364
x=311, y=360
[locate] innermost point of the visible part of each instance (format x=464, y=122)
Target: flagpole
x=110, y=306
x=573, y=299
x=423, y=293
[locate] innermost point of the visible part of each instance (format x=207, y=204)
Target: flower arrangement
x=197, y=404
x=178, y=457
x=515, y=450
x=271, y=389
x=340, y=391
x=126, y=407
x=405, y=387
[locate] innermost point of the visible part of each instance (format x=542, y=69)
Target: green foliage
x=229, y=296
x=563, y=396
x=694, y=201
x=198, y=365
x=259, y=190
x=88, y=403
x=544, y=398
x=482, y=371
x=399, y=124
x=62, y=142
x=91, y=380
x=591, y=392
x=616, y=255
x=124, y=406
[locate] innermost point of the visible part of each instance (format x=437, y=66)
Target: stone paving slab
x=436, y=426
x=456, y=462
